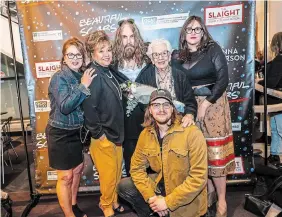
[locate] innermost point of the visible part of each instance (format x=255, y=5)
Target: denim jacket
x=66, y=95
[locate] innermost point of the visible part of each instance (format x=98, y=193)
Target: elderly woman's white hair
x=157, y=42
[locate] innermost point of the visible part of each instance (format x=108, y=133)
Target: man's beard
x=128, y=52
x=167, y=121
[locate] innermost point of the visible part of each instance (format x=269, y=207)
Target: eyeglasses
x=71, y=56
x=157, y=106
x=162, y=54
x=197, y=30
x=130, y=20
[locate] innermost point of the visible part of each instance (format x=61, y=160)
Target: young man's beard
x=166, y=121
x=128, y=52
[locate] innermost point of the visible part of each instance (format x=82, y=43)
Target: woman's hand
x=87, y=77
x=103, y=137
x=202, y=110
x=257, y=80
x=188, y=120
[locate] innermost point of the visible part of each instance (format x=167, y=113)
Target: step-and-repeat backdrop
x=45, y=25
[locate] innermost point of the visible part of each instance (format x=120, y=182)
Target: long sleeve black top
x=103, y=110
x=207, y=67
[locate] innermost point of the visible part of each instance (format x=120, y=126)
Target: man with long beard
x=129, y=53
x=178, y=159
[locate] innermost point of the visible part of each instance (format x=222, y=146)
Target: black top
x=274, y=78
x=207, y=67
x=182, y=86
x=103, y=110
x=161, y=184
x=77, y=75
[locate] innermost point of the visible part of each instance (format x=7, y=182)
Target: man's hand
x=158, y=204
x=188, y=120
x=202, y=110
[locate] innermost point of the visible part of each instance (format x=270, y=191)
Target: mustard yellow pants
x=107, y=158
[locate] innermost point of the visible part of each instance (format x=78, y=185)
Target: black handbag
x=260, y=204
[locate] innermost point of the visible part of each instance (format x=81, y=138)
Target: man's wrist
x=150, y=198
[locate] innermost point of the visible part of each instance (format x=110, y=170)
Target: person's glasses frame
x=71, y=56
x=157, y=106
x=197, y=30
x=163, y=54
x=130, y=20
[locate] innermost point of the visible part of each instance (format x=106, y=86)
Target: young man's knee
x=125, y=187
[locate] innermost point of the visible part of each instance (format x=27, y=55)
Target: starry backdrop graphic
x=45, y=25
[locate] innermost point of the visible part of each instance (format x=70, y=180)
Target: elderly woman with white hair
x=162, y=74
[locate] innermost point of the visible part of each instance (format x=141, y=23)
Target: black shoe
x=77, y=211
x=273, y=159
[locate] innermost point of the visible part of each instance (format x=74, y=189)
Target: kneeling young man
x=178, y=158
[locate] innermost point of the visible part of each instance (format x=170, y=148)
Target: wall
x=274, y=17
x=6, y=42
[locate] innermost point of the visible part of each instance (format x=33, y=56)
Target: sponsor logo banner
x=239, y=169
x=47, y=69
x=52, y=175
x=42, y=106
x=236, y=126
x=47, y=35
x=224, y=15
x=165, y=21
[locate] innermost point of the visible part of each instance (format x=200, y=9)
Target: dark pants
x=128, y=191
x=128, y=150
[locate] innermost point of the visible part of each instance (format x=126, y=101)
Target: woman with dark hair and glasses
x=68, y=88
x=164, y=75
x=204, y=62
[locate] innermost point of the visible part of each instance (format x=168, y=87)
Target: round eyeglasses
x=197, y=30
x=72, y=56
x=163, y=54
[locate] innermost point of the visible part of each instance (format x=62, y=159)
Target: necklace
x=116, y=86
x=166, y=73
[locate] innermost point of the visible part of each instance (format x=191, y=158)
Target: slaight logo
x=224, y=15
x=47, y=69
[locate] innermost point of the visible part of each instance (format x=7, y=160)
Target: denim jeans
x=276, y=134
